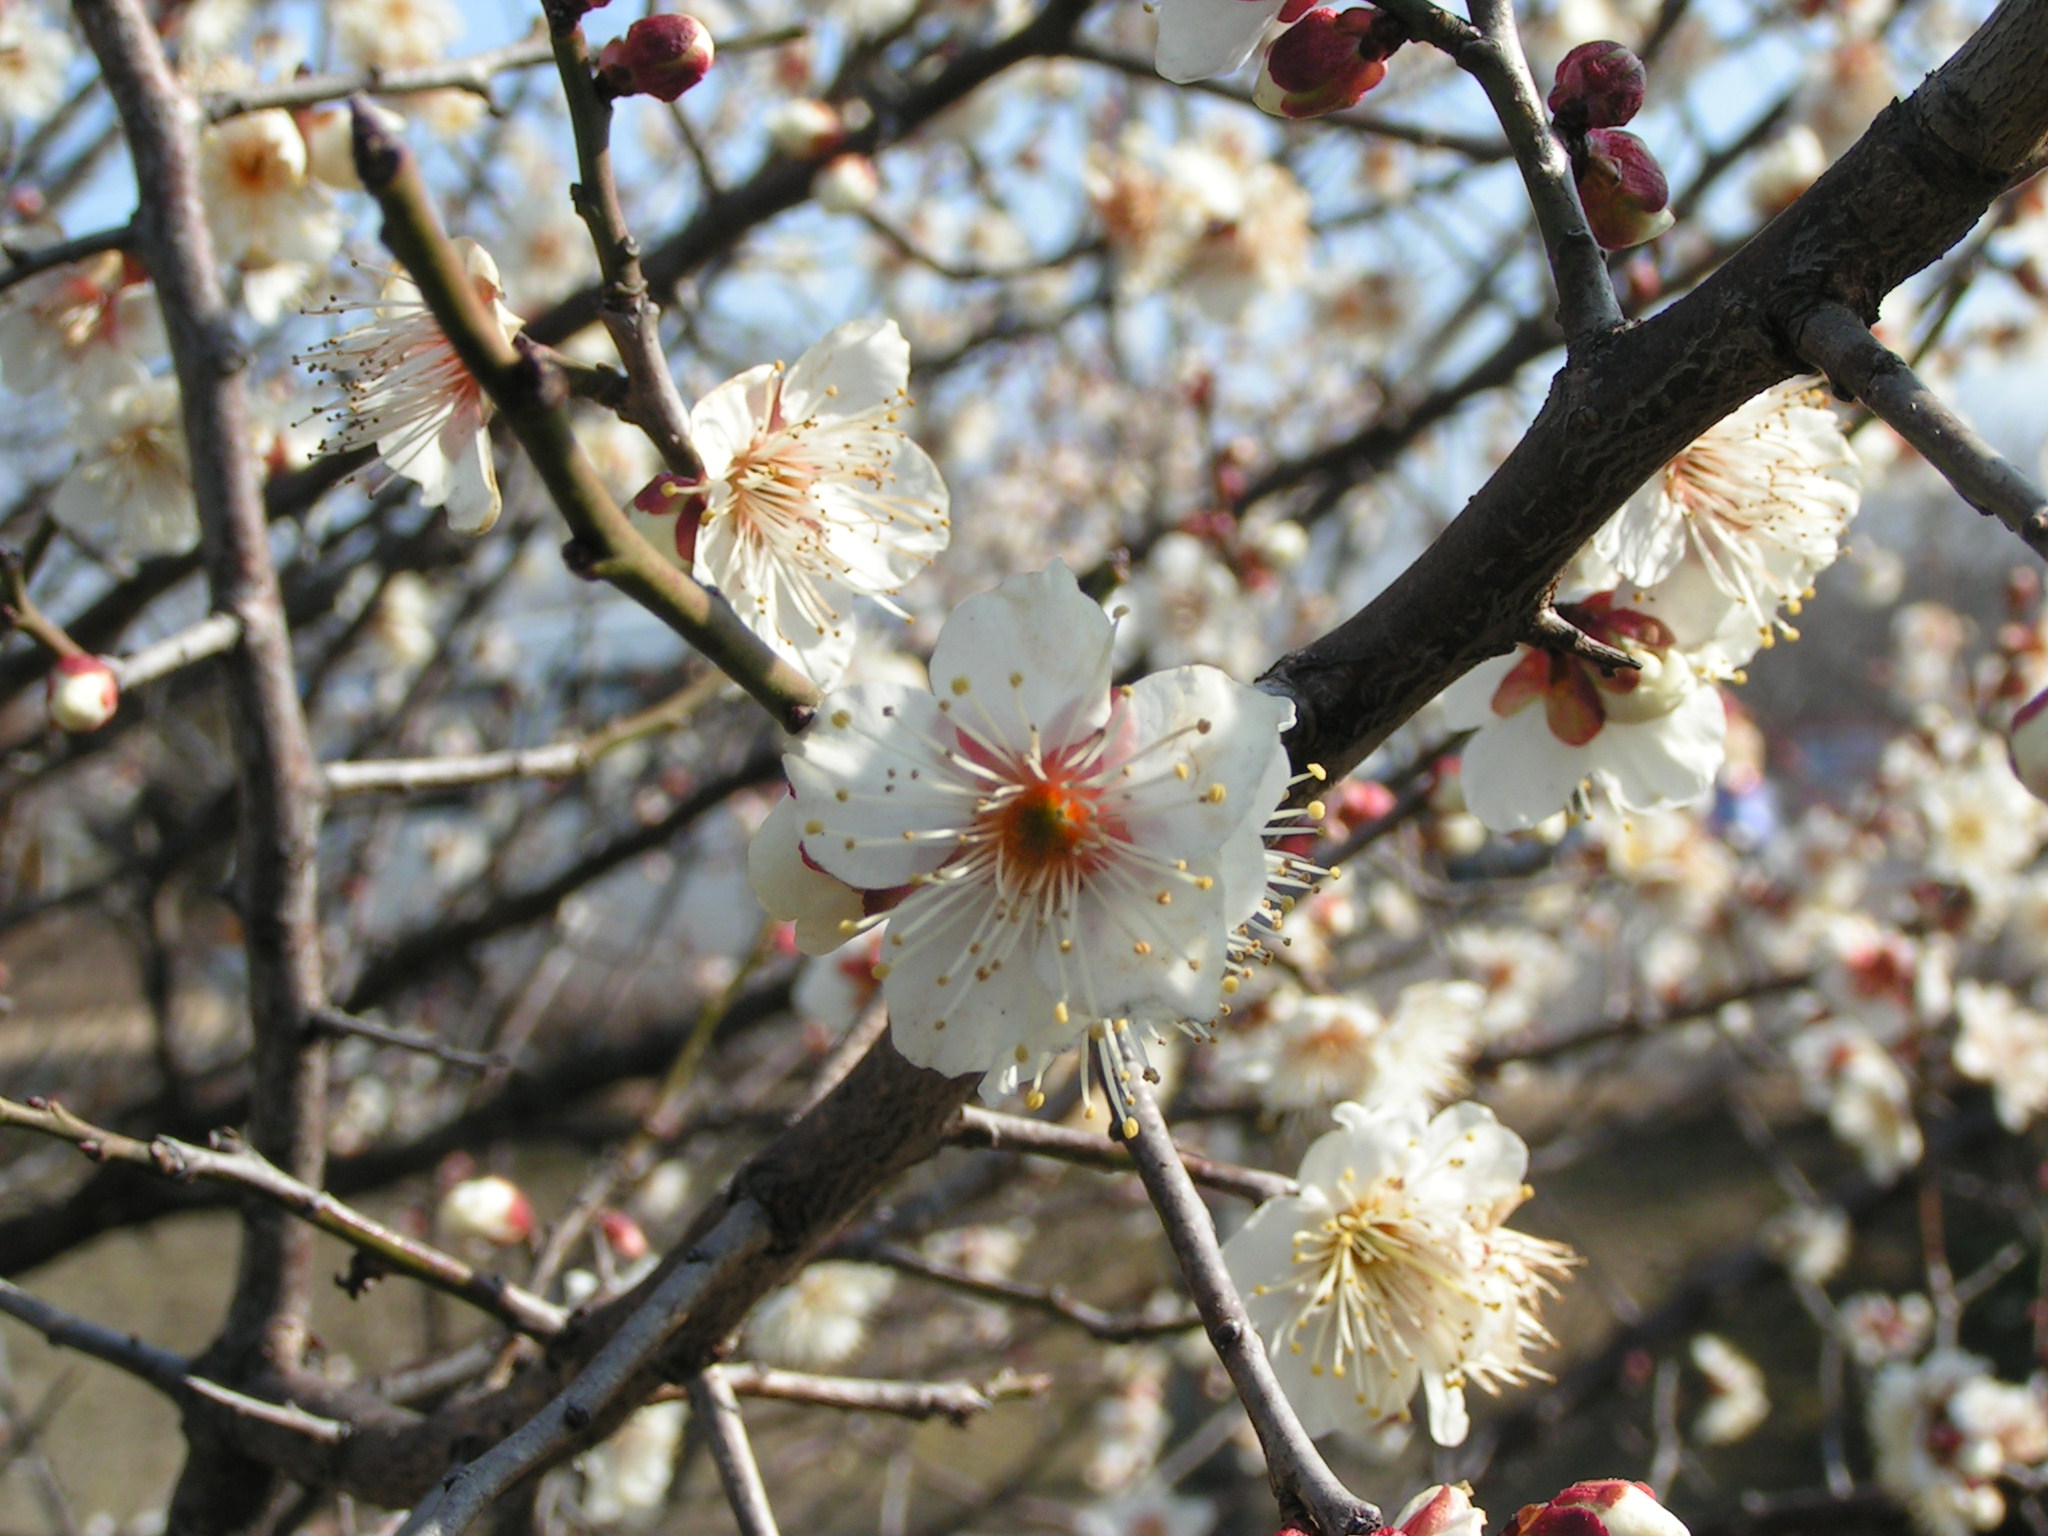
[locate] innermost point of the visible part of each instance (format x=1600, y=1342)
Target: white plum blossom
x=1069, y=857
x=1881, y=1328
x=813, y=495
x=1811, y=1241
x=1868, y=1100
x=393, y=34
x=269, y=216
x=1199, y=39
x=34, y=57
x=129, y=494
x=2004, y=1044
x=1944, y=1430
x=1736, y=1404
x=821, y=907
x=1547, y=721
x=1311, y=1051
x=406, y=392
x=1758, y=503
x=820, y=1319
x=626, y=1479
x=1520, y=968
x=1206, y=218
x=1983, y=827
x=84, y=327
x=1392, y=1269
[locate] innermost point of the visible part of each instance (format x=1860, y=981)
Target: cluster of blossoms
x=1946, y=1430
x=1689, y=579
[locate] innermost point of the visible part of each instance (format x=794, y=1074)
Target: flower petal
x=1028, y=662
x=872, y=774
x=853, y=368
x=1199, y=39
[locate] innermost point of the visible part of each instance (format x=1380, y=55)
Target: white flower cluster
x=1689, y=579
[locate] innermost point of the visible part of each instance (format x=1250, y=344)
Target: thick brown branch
x=1858, y=364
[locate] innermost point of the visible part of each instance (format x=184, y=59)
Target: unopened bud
x=660, y=56
x=1445, y=1510
x=805, y=129
x=623, y=1236
x=1615, y=1507
x=83, y=694
x=2027, y=742
x=847, y=184
x=491, y=1209
x=1622, y=187
x=1599, y=85
x=1327, y=61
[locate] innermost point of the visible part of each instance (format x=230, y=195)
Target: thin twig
x=1554, y=632
x=1054, y=1301
x=956, y=1401
x=558, y=760
x=18, y=610
x=25, y=263
x=606, y=545
x=1302, y=1481
x=1586, y=301
x=337, y=1021
x=630, y=315
x=473, y=74
x=718, y=1411
x=169, y=1373
x=1857, y=363
x=245, y=1168
x=997, y=1132
x=592, y=1397
x=209, y=637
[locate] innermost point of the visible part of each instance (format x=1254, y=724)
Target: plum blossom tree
x=1376, y=589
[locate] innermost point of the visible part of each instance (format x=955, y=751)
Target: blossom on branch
x=1758, y=503
x=129, y=493
x=271, y=218
x=406, y=391
x=1199, y=39
x=813, y=496
x=1392, y=1269
x=1062, y=856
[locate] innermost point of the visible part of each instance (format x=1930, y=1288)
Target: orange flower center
x=1045, y=828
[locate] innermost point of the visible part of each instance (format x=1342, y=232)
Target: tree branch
x=1858, y=364
x=211, y=636
x=169, y=1373
x=245, y=1168
x=522, y=387
x=597, y=1393
x=996, y=1132
x=558, y=760
x=1302, y=1481
x=957, y=1401
x=338, y=1022
x=630, y=316
x=1554, y=632
x=25, y=264
x=1054, y=1301
x=718, y=1411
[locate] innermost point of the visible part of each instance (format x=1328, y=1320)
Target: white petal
x=1179, y=973
x=1369, y=1144
x=1468, y=703
x=1229, y=743
x=471, y=499
x=1646, y=538
x=855, y=367
x=793, y=891
x=949, y=1008
x=725, y=422
x=871, y=775
x=1199, y=39
x=1671, y=761
x=1448, y=1421
x=1515, y=773
x=1026, y=663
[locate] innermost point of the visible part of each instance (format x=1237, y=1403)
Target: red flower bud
x=490, y=1209
x=623, y=1236
x=82, y=693
x=1599, y=85
x=1327, y=61
x=1605, y=1506
x=1626, y=198
x=660, y=56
